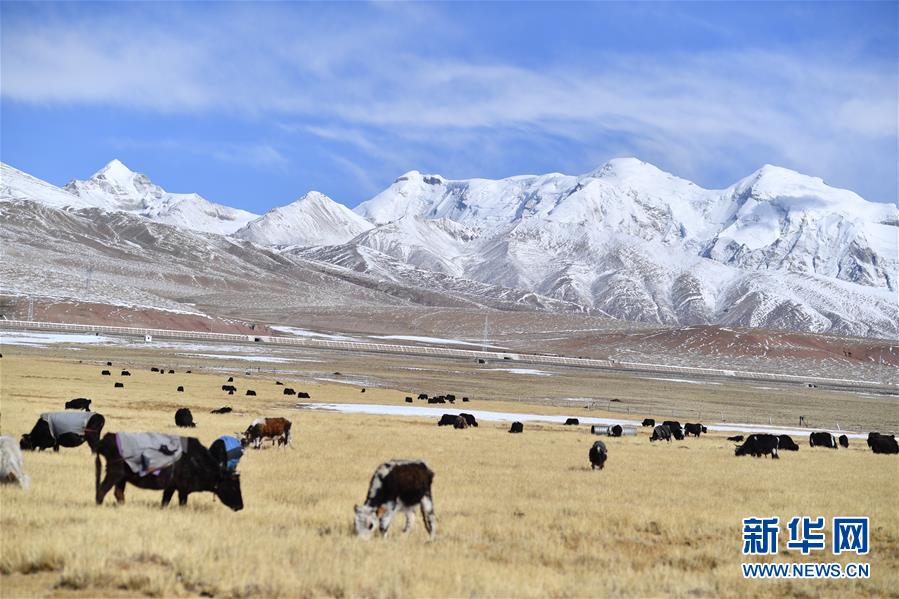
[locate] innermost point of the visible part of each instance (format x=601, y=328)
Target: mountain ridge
x=775, y=249
x=313, y=219
x=115, y=187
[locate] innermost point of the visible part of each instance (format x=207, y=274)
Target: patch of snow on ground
x=305, y=333
x=247, y=358
x=530, y=371
x=356, y=383
x=29, y=338
x=486, y=416
x=654, y=378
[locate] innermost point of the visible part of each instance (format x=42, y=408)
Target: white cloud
x=353, y=77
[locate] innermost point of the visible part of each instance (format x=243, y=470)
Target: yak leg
x=410, y=521
x=167, y=495
x=103, y=488
x=427, y=513
x=120, y=491
x=387, y=517
x=182, y=496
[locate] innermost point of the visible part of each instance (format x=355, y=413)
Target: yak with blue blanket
x=227, y=449
x=166, y=463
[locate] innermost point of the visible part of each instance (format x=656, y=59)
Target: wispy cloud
x=358, y=81
x=259, y=155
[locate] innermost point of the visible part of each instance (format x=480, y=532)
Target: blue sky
x=252, y=105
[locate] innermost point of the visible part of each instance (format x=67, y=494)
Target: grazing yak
x=572, y=422
x=786, y=443
x=12, y=469
x=229, y=388
x=251, y=393
x=304, y=395
x=694, y=429
x=676, y=430
x=598, y=455
x=184, y=418
x=517, y=427
x=822, y=439
x=289, y=391
x=649, y=422
x=180, y=389
x=660, y=433
x=164, y=463
x=736, y=438
x=422, y=396
x=615, y=430
x=171, y=371
x=154, y=369
x=222, y=410
x=109, y=363
x=119, y=385
x=397, y=485
x=64, y=429
x=883, y=443
x=105, y=373
x=230, y=379
x=844, y=441
x=279, y=383
x=276, y=429
x=363, y=390
x=447, y=420
x=469, y=419
x=460, y=422
x=126, y=373
x=79, y=403
x=408, y=400
x=464, y=399
x=759, y=445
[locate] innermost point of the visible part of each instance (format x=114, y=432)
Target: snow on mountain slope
x=314, y=219
x=16, y=185
x=780, y=219
x=115, y=187
x=775, y=219
x=776, y=249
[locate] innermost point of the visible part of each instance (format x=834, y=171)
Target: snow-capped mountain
x=314, y=219
x=116, y=188
x=16, y=185
x=775, y=219
x=777, y=249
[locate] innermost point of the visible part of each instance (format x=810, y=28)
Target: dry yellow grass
x=518, y=515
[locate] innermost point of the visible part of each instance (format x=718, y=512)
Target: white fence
x=429, y=351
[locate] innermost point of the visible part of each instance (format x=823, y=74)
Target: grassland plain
x=518, y=515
